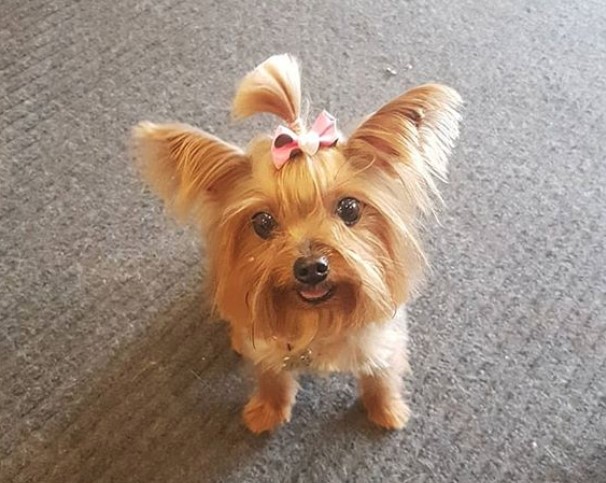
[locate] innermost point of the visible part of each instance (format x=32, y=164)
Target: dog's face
x=314, y=247
x=328, y=241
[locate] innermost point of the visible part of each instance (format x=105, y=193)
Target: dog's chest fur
x=365, y=350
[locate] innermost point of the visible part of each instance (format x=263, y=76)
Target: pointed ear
x=185, y=165
x=412, y=134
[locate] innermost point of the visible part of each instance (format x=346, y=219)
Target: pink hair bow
x=286, y=143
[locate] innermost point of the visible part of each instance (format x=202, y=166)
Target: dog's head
x=307, y=234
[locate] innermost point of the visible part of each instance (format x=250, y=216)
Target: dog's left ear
x=186, y=166
x=414, y=133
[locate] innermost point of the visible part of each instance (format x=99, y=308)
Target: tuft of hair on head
x=272, y=87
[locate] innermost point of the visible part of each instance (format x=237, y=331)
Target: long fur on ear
x=185, y=165
x=273, y=87
x=410, y=137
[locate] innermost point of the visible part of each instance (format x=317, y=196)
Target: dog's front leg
x=271, y=404
x=382, y=394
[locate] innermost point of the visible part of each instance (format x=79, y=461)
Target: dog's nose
x=311, y=270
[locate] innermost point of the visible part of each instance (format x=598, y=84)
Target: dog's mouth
x=315, y=294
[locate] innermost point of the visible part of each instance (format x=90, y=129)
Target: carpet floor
x=111, y=371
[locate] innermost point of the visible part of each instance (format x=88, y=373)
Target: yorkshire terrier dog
x=312, y=238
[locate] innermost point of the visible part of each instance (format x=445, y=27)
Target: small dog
x=312, y=238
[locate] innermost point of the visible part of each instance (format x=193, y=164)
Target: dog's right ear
x=185, y=165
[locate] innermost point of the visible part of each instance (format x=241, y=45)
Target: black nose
x=311, y=270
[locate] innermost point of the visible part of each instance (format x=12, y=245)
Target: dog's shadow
x=171, y=398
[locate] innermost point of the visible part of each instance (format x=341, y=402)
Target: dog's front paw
x=392, y=414
x=260, y=415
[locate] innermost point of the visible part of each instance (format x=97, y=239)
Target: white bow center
x=309, y=142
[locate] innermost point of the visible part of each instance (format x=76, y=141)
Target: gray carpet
x=111, y=371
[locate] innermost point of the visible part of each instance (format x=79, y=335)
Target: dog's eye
x=263, y=224
x=348, y=209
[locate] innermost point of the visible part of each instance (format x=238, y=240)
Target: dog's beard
x=277, y=311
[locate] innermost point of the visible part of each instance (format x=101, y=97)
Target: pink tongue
x=314, y=293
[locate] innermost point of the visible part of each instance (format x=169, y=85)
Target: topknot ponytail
x=273, y=87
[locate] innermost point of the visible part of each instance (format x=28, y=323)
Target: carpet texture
x=111, y=371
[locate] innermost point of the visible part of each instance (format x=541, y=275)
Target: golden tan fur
x=389, y=163
x=273, y=87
